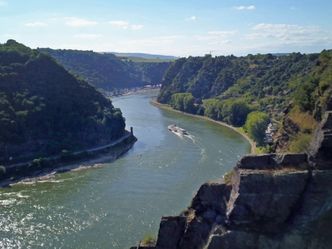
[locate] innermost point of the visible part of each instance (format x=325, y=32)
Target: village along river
x=117, y=204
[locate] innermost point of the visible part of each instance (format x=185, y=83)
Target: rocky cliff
x=268, y=201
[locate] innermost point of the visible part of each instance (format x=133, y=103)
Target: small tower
x=131, y=130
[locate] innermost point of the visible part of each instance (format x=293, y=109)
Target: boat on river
x=178, y=130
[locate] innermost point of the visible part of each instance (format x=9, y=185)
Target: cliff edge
x=273, y=201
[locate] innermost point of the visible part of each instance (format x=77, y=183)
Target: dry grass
x=304, y=120
x=148, y=240
x=300, y=143
x=228, y=177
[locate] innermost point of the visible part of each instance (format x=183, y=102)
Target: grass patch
x=304, y=120
x=228, y=177
x=263, y=149
x=148, y=240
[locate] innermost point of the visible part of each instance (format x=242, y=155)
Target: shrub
x=228, y=177
x=300, y=143
x=148, y=240
x=183, y=102
x=256, y=125
x=304, y=120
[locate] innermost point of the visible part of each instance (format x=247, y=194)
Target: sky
x=170, y=27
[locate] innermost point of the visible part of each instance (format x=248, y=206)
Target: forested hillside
x=45, y=110
x=291, y=89
x=107, y=71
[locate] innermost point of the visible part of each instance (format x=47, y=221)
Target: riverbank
x=238, y=130
x=41, y=169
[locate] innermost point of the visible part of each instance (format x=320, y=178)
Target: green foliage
x=304, y=95
x=235, y=112
x=228, y=177
x=148, y=240
x=183, y=102
x=300, y=143
x=213, y=108
x=259, y=80
x=231, y=111
x=256, y=125
x=312, y=91
x=45, y=109
x=264, y=149
x=229, y=87
x=107, y=71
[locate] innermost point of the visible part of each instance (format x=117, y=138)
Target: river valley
x=117, y=204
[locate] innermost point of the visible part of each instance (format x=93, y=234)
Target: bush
x=212, y=108
x=256, y=125
x=148, y=240
x=300, y=143
x=235, y=112
x=228, y=177
x=304, y=120
x=183, y=102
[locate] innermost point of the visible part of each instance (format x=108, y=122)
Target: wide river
x=117, y=204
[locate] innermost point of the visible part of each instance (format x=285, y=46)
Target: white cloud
x=35, y=24
x=76, y=22
x=125, y=25
x=243, y=7
x=287, y=33
x=88, y=36
x=136, y=26
x=191, y=19
x=267, y=38
x=120, y=24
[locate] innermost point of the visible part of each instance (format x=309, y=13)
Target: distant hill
x=107, y=71
x=145, y=56
x=45, y=110
x=292, y=89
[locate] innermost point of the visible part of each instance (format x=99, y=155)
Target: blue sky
x=175, y=27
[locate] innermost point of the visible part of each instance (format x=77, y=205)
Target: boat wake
x=180, y=132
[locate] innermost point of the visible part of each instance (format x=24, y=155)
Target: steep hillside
x=271, y=201
x=45, y=110
x=107, y=71
x=290, y=89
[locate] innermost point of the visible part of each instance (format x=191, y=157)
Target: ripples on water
x=114, y=206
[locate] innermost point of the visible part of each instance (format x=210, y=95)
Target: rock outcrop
x=267, y=202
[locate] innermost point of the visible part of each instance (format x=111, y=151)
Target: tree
x=212, y=108
x=235, y=112
x=256, y=125
x=183, y=102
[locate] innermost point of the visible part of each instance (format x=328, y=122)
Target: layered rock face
x=268, y=202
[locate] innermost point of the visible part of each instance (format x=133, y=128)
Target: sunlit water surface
x=116, y=205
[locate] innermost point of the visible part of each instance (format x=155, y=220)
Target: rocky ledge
x=268, y=201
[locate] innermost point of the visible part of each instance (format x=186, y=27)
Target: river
x=117, y=204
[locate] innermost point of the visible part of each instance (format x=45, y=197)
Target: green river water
x=117, y=204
